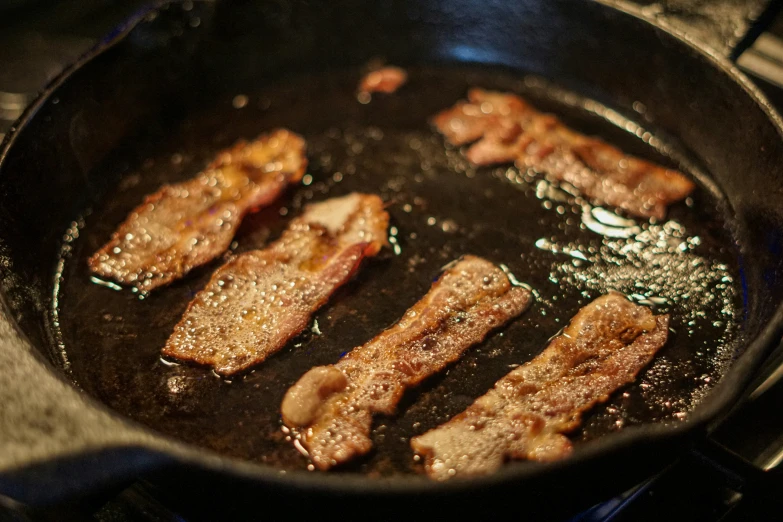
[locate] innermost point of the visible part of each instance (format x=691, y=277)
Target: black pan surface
x=567, y=250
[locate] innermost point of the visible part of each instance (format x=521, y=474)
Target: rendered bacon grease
x=528, y=411
x=506, y=128
x=332, y=406
x=255, y=303
x=187, y=224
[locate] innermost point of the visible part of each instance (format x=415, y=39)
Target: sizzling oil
x=566, y=249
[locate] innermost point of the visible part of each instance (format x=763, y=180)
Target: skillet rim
x=725, y=394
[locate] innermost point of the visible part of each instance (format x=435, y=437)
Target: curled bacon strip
x=333, y=405
x=386, y=79
x=508, y=129
x=527, y=412
x=255, y=303
x=187, y=224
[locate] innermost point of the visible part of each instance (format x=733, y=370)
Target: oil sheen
x=547, y=236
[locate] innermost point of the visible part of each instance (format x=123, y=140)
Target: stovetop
x=735, y=476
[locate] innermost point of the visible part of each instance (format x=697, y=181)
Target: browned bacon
x=527, y=412
x=333, y=405
x=188, y=224
x=386, y=79
x=254, y=304
x=508, y=130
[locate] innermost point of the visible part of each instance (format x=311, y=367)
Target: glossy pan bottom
x=441, y=208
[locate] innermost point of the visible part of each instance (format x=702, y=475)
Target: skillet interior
x=441, y=209
x=101, y=124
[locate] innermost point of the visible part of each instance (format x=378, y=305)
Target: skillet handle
x=56, y=444
x=728, y=26
x=744, y=446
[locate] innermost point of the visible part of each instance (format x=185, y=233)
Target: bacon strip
x=508, y=129
x=527, y=412
x=255, y=303
x=187, y=224
x=386, y=79
x=333, y=405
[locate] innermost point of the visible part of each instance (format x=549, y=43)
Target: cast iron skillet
x=157, y=99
